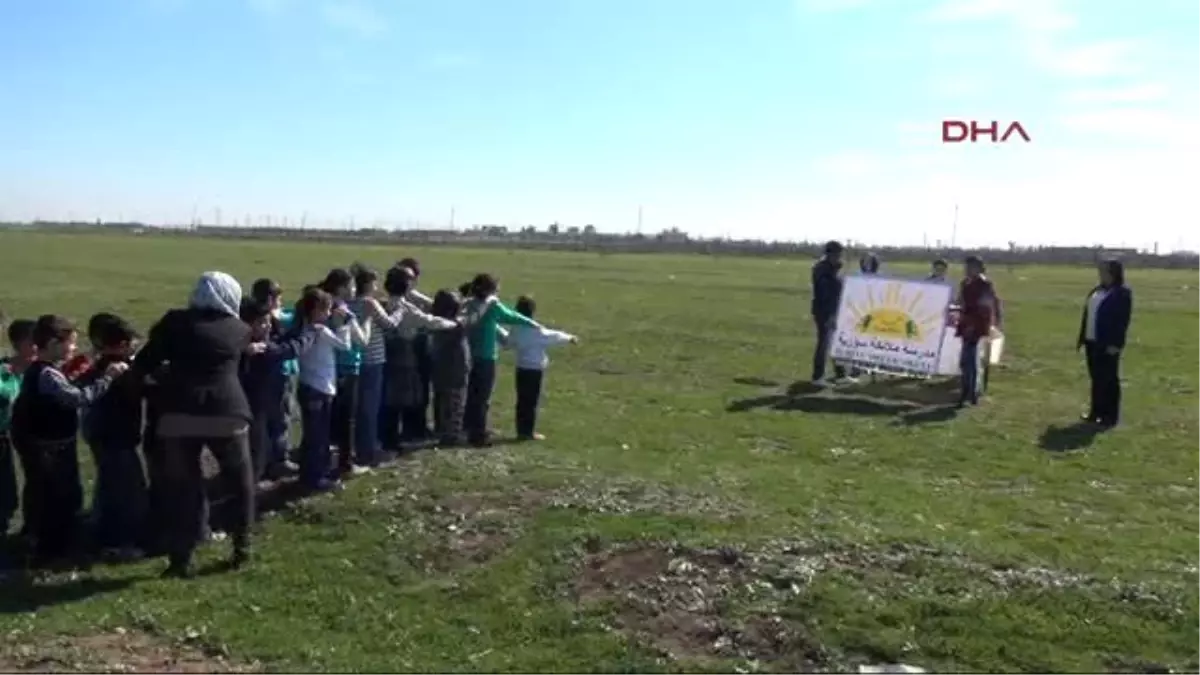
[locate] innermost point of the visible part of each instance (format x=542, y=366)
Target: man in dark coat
x=826, y=294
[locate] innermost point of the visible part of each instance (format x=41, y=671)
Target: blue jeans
x=968, y=364
x=366, y=416
x=120, y=500
x=316, y=415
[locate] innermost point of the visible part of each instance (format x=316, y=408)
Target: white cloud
x=1035, y=16
x=1140, y=93
x=355, y=17
x=1148, y=125
x=1096, y=60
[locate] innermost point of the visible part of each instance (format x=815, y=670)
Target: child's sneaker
x=123, y=554
x=531, y=437
x=327, y=485
x=358, y=470
x=284, y=469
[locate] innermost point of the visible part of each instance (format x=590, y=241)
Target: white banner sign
x=894, y=325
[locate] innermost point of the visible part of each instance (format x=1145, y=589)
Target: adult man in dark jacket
x=826, y=294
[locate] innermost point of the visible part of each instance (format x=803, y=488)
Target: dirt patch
x=115, y=652
x=732, y=603
x=443, y=530
x=682, y=602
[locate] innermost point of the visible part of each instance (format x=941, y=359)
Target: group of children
x=362, y=359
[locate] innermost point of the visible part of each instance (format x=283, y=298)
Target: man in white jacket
x=530, y=343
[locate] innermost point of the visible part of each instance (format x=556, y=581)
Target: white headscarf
x=217, y=291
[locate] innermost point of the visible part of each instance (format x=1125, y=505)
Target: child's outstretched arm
x=422, y=301
x=424, y=319
x=551, y=337
x=359, y=334
x=505, y=315
x=340, y=340
x=53, y=383
x=292, y=345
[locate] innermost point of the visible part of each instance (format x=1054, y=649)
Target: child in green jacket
x=12, y=368
x=487, y=314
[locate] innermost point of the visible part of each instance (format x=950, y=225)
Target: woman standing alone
x=1102, y=331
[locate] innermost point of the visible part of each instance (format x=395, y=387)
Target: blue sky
x=785, y=119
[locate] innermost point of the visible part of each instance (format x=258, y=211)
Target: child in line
x=112, y=427
x=450, y=353
x=369, y=397
x=531, y=343
x=339, y=284
x=45, y=425
x=421, y=350
x=12, y=369
x=404, y=320
x=484, y=351
x=259, y=372
x=282, y=392
x=318, y=384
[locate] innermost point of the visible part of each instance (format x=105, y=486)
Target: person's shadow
x=19, y=594
x=1058, y=438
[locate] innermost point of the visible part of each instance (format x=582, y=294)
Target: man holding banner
x=826, y=294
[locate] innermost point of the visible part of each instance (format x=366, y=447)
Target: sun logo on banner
x=893, y=315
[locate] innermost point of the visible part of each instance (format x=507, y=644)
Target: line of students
x=364, y=373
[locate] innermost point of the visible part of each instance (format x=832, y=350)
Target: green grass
x=867, y=529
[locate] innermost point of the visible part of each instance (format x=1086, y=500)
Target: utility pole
x=452, y=213
x=639, y=228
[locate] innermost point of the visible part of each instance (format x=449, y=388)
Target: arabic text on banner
x=891, y=324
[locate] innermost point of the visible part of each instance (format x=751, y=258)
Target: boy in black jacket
x=450, y=354
x=112, y=427
x=259, y=372
x=45, y=426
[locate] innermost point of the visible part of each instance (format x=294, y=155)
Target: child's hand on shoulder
x=116, y=369
x=256, y=348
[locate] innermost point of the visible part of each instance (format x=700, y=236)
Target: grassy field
x=692, y=509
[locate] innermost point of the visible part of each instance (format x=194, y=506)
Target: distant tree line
x=588, y=239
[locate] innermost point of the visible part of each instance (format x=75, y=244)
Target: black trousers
x=54, y=493
x=261, y=444
x=187, y=509
x=1104, y=370
x=9, y=492
x=825, y=330
x=480, y=384
x=529, y=392
x=421, y=347
x=345, y=405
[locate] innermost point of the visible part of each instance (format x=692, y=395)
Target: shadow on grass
x=19, y=594
x=1076, y=436
x=755, y=382
x=820, y=403
x=912, y=403
x=930, y=415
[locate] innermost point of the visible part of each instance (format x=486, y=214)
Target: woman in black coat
x=200, y=403
x=1102, y=331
